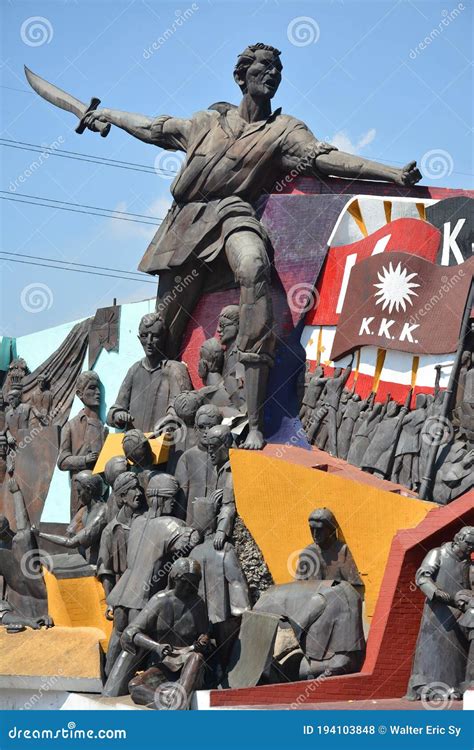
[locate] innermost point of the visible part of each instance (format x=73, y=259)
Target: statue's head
x=318, y=371
x=127, y=490
x=14, y=397
x=186, y=405
x=152, y=334
x=337, y=372
x=420, y=401
x=43, y=381
x=88, y=388
x=258, y=70
x=113, y=468
x=463, y=542
x=392, y=409
x=161, y=494
x=219, y=442
x=355, y=397
x=137, y=448
x=323, y=526
x=211, y=358
x=228, y=326
x=207, y=416
x=88, y=486
x=184, y=577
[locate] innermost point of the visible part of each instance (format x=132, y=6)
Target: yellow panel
x=56, y=652
x=387, y=207
x=356, y=213
x=78, y=602
x=275, y=497
x=414, y=370
x=113, y=447
x=421, y=208
x=381, y=354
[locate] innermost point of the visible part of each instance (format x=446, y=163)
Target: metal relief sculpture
x=83, y=436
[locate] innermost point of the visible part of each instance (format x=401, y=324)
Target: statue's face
x=227, y=329
x=133, y=498
x=218, y=452
x=91, y=394
x=186, y=586
x=14, y=399
x=42, y=382
x=203, y=367
x=203, y=424
x=264, y=75
x=465, y=546
x=320, y=532
x=392, y=409
x=152, y=340
x=83, y=491
x=164, y=504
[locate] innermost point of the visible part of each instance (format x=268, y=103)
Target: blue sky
x=360, y=74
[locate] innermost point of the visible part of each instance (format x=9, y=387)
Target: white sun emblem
x=395, y=288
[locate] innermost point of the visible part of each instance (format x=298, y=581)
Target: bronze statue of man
x=83, y=436
x=151, y=384
x=233, y=155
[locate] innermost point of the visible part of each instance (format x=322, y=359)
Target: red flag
x=404, y=302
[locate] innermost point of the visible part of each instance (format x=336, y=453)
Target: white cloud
x=343, y=142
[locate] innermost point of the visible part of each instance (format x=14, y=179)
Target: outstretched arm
x=166, y=132
x=340, y=164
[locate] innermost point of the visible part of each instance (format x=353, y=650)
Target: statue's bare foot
x=255, y=441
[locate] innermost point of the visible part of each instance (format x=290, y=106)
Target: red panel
x=408, y=235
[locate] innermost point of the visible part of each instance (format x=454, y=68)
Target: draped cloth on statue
x=37, y=448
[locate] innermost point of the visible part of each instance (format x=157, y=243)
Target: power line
x=78, y=156
x=83, y=205
x=74, y=270
x=78, y=211
x=138, y=274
